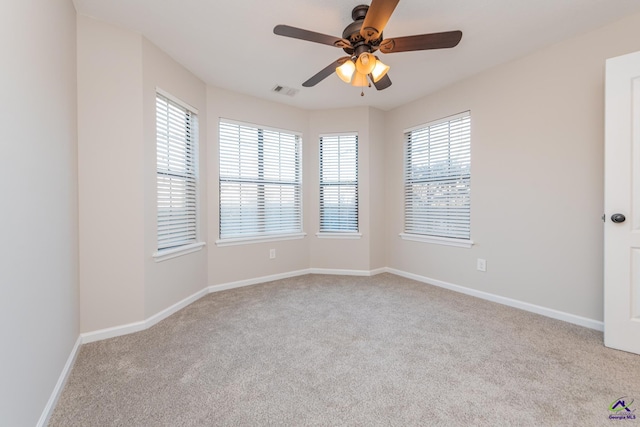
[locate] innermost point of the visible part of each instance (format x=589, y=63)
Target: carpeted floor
x=331, y=350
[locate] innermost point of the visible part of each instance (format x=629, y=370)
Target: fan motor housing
x=352, y=33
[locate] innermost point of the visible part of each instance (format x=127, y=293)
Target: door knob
x=617, y=218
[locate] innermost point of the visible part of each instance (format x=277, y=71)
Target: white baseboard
x=116, y=331
x=130, y=328
x=62, y=380
x=145, y=324
x=544, y=311
x=174, y=308
x=257, y=280
x=377, y=271
x=142, y=325
x=345, y=272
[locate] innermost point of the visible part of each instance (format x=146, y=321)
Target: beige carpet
x=332, y=350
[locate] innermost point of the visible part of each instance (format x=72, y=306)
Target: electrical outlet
x=482, y=264
x=272, y=253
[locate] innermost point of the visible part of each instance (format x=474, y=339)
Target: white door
x=622, y=204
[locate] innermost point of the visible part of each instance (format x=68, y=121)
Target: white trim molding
x=327, y=235
x=166, y=254
x=446, y=241
x=256, y=281
x=345, y=272
x=537, y=309
x=62, y=380
x=130, y=328
x=176, y=100
x=259, y=239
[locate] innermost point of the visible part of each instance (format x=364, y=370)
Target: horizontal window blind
x=339, y=183
x=177, y=172
x=260, y=181
x=438, y=178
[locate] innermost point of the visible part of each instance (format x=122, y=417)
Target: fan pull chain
x=362, y=93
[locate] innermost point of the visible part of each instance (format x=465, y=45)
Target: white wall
x=537, y=175
x=39, y=226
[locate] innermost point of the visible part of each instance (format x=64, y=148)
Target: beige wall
x=537, y=175
x=536, y=186
x=172, y=280
x=537, y=147
x=120, y=282
x=249, y=261
x=39, y=227
x=362, y=254
x=332, y=253
x=376, y=181
x=111, y=175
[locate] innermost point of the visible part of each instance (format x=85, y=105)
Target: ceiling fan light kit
x=365, y=63
x=360, y=80
x=379, y=71
x=361, y=39
x=346, y=70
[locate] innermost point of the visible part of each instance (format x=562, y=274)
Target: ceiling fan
x=361, y=39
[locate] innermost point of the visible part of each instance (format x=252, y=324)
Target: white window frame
x=337, y=233
x=416, y=213
x=188, y=245
x=256, y=237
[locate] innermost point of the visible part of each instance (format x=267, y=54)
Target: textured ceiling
x=230, y=44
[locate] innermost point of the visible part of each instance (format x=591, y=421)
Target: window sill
x=166, y=254
x=329, y=235
x=259, y=239
x=446, y=241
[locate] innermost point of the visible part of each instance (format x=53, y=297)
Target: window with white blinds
x=177, y=173
x=437, y=179
x=260, y=182
x=339, y=183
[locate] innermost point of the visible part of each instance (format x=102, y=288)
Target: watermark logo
x=621, y=409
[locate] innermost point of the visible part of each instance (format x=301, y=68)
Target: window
x=260, y=183
x=177, y=172
x=339, y=183
x=437, y=181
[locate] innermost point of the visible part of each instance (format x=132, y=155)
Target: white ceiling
x=230, y=44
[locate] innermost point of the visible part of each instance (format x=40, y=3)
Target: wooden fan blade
x=421, y=42
x=299, y=33
x=376, y=18
x=325, y=72
x=383, y=83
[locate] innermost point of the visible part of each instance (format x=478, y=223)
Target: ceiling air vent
x=283, y=90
